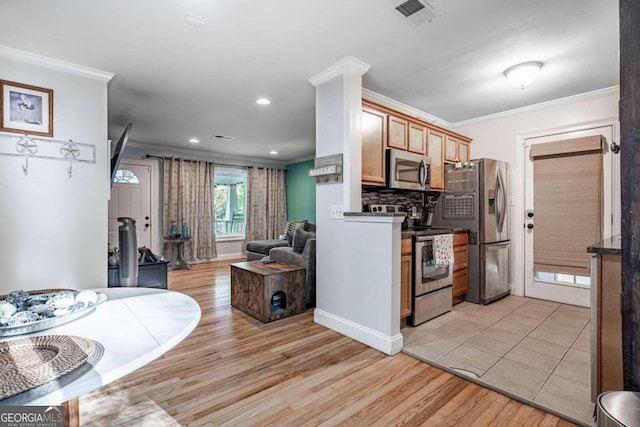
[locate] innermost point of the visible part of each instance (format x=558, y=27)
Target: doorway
x=131, y=196
x=567, y=288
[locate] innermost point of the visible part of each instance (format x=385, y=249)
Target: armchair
x=306, y=259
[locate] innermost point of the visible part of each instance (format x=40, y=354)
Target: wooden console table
x=268, y=292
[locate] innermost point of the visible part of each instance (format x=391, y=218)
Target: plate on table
x=26, y=312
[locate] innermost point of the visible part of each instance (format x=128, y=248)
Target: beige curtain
x=266, y=203
x=568, y=203
x=188, y=199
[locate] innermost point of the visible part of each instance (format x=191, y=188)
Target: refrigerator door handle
x=500, y=201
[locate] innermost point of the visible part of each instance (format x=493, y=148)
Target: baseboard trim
x=230, y=256
x=386, y=344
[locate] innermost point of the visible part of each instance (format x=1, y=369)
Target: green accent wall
x=301, y=192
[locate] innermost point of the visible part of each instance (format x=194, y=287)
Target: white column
x=357, y=258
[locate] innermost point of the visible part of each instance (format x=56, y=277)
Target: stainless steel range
x=433, y=277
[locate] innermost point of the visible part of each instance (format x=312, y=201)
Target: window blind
x=568, y=203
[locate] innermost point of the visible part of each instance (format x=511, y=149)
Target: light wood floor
x=233, y=370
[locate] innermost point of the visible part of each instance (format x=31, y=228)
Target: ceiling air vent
x=417, y=11
x=226, y=138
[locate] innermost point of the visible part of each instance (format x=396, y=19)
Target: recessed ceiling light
x=226, y=138
x=263, y=101
x=274, y=152
x=194, y=21
x=194, y=140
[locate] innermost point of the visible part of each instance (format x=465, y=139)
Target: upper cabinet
x=398, y=131
x=464, y=151
x=417, y=138
x=374, y=143
x=451, y=149
x=436, y=153
x=384, y=128
x=456, y=150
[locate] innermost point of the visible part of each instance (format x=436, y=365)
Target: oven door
x=429, y=275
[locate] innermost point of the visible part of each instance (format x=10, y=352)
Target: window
x=229, y=202
x=566, y=279
x=125, y=176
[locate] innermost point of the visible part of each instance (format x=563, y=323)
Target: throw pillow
x=292, y=225
x=300, y=238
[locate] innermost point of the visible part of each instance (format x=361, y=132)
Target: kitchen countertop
x=609, y=246
x=374, y=214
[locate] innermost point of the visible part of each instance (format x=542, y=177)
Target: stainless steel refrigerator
x=476, y=198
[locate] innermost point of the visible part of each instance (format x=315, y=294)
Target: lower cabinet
x=460, y=266
x=405, y=277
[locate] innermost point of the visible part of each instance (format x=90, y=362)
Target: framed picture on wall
x=26, y=109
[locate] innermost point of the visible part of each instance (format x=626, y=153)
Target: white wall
x=54, y=229
x=496, y=137
x=358, y=258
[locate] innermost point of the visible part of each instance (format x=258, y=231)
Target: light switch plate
x=336, y=212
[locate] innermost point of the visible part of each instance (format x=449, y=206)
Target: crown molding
x=210, y=156
x=348, y=63
x=587, y=96
x=56, y=64
x=370, y=95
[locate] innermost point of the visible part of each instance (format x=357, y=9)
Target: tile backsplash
x=391, y=197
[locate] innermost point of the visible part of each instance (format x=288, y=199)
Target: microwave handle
x=422, y=173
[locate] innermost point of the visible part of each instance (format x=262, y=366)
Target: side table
x=178, y=262
x=267, y=292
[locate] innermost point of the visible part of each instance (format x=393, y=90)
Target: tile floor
x=532, y=349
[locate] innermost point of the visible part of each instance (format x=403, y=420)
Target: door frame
x=156, y=211
x=519, y=188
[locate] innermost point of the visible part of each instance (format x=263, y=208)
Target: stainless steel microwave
x=408, y=171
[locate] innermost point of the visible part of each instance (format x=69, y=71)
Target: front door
x=131, y=197
x=564, y=288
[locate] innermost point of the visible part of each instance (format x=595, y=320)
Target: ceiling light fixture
x=522, y=75
x=194, y=21
x=274, y=152
x=194, y=140
x=263, y=101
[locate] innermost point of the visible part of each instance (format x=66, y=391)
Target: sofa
x=258, y=249
x=302, y=255
x=297, y=247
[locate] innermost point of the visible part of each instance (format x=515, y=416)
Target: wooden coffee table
x=268, y=291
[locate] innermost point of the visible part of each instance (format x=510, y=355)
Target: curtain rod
x=149, y=156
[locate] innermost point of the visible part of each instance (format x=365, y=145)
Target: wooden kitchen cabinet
x=405, y=276
x=450, y=149
x=398, y=132
x=607, y=342
x=460, y=266
x=464, y=151
x=417, y=138
x=384, y=128
x=435, y=152
x=374, y=144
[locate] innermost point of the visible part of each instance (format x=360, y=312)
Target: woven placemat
x=27, y=363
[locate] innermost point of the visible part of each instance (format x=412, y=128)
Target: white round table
x=135, y=326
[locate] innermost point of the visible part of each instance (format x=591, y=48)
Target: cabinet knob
x=530, y=226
